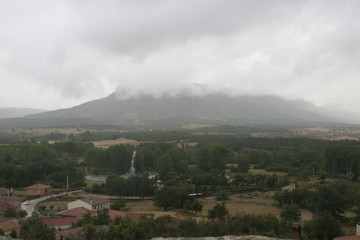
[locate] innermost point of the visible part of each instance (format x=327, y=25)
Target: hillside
x=184, y=109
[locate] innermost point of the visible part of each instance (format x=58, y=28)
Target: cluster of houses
x=62, y=221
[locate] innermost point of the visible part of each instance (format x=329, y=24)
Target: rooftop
x=9, y=224
x=95, y=200
x=76, y=212
x=72, y=233
x=59, y=221
x=39, y=186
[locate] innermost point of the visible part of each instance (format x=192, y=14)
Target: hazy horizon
x=61, y=54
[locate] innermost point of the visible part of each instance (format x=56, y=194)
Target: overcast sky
x=56, y=54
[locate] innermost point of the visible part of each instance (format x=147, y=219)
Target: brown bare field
x=109, y=143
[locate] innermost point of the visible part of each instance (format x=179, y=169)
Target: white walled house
x=91, y=203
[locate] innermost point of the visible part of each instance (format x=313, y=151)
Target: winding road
x=29, y=205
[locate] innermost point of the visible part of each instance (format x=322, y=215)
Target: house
x=76, y=212
x=92, y=203
x=38, y=189
x=60, y=223
x=8, y=225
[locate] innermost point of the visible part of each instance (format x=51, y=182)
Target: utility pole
x=67, y=183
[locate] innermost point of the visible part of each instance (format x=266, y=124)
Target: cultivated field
x=109, y=143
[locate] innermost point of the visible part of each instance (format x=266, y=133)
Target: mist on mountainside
x=186, y=107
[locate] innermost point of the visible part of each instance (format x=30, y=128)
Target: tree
x=10, y=212
x=327, y=199
x=219, y=212
x=36, y=230
x=193, y=205
x=323, y=227
x=169, y=197
x=141, y=186
x=222, y=195
x=214, y=158
x=102, y=217
x=290, y=213
x=118, y=205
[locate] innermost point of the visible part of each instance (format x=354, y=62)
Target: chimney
x=358, y=229
x=91, y=201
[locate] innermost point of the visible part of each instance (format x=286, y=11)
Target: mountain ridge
x=145, y=109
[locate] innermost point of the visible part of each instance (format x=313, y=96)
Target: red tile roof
x=9, y=224
x=76, y=212
x=72, y=233
x=58, y=221
x=39, y=186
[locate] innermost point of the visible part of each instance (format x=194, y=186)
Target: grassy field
x=255, y=203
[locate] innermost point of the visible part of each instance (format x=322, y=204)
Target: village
x=63, y=221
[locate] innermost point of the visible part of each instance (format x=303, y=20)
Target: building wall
x=78, y=203
x=102, y=206
x=62, y=227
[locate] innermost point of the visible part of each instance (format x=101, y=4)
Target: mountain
x=18, y=112
x=170, y=111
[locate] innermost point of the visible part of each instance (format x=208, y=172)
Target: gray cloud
x=61, y=53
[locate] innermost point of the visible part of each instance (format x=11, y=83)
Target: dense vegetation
x=23, y=165
x=173, y=170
